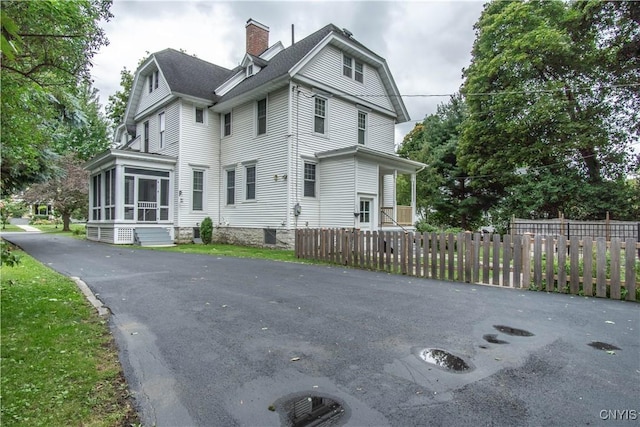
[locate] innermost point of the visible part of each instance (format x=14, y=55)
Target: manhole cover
x=444, y=359
x=310, y=410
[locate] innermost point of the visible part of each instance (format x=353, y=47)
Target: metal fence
x=581, y=229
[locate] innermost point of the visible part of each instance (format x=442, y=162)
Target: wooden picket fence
x=606, y=269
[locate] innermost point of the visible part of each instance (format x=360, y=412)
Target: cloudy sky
x=425, y=43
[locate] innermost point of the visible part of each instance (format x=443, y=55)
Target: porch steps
x=153, y=236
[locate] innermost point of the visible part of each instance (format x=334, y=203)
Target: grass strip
x=59, y=362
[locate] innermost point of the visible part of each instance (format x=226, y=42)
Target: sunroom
x=131, y=196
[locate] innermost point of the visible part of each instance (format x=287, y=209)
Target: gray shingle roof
x=280, y=64
x=189, y=75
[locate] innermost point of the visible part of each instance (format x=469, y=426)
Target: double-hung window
x=199, y=115
x=309, y=179
x=161, y=127
x=261, y=116
x=198, y=190
x=320, y=115
x=352, y=68
x=347, y=67
x=146, y=136
x=362, y=127
x=226, y=124
x=154, y=80
x=231, y=187
x=359, y=72
x=250, y=182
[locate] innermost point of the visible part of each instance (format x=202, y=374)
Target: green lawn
x=11, y=227
x=235, y=251
x=59, y=363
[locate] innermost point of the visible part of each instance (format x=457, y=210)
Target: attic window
x=352, y=68
x=249, y=70
x=154, y=80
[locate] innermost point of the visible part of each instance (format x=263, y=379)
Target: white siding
x=337, y=192
x=148, y=99
x=326, y=67
x=342, y=126
x=367, y=178
x=198, y=149
x=269, y=153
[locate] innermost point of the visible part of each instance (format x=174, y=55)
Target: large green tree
x=552, y=94
x=445, y=192
x=47, y=48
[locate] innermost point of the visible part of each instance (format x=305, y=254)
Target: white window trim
x=350, y=66
x=266, y=117
x=315, y=189
x=366, y=128
x=204, y=115
x=226, y=186
x=204, y=189
x=222, y=124
x=245, y=182
x=352, y=74
x=162, y=133
x=326, y=116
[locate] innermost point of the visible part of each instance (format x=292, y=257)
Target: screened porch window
x=110, y=194
x=96, y=205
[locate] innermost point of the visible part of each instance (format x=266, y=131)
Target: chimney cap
x=251, y=21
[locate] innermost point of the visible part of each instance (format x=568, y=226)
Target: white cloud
x=426, y=44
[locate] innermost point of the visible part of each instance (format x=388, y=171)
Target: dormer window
x=249, y=70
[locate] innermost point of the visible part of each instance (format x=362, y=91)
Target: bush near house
x=206, y=230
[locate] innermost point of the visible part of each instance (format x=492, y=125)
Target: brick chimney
x=257, y=37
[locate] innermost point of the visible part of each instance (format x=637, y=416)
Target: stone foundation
x=284, y=239
x=184, y=235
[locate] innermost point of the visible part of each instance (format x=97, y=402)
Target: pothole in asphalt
x=310, y=410
x=513, y=331
x=493, y=339
x=603, y=346
x=444, y=359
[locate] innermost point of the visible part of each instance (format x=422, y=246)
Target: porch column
x=413, y=198
x=119, y=196
x=395, y=195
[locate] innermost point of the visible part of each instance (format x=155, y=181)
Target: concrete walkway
x=29, y=228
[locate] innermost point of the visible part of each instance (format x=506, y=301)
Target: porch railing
x=404, y=216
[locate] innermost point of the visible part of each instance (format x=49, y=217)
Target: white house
x=291, y=138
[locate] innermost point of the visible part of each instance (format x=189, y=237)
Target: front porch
x=397, y=215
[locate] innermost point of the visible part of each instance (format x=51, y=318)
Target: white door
x=366, y=213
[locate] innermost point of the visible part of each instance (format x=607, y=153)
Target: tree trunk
x=66, y=219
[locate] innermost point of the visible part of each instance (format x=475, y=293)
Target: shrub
x=206, y=230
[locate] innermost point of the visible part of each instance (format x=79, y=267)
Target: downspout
x=176, y=179
x=287, y=208
x=220, y=172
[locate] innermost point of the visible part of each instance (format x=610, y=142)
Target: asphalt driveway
x=214, y=341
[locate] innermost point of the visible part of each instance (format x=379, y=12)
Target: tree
x=550, y=107
x=47, y=47
x=68, y=190
x=117, y=105
x=444, y=189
